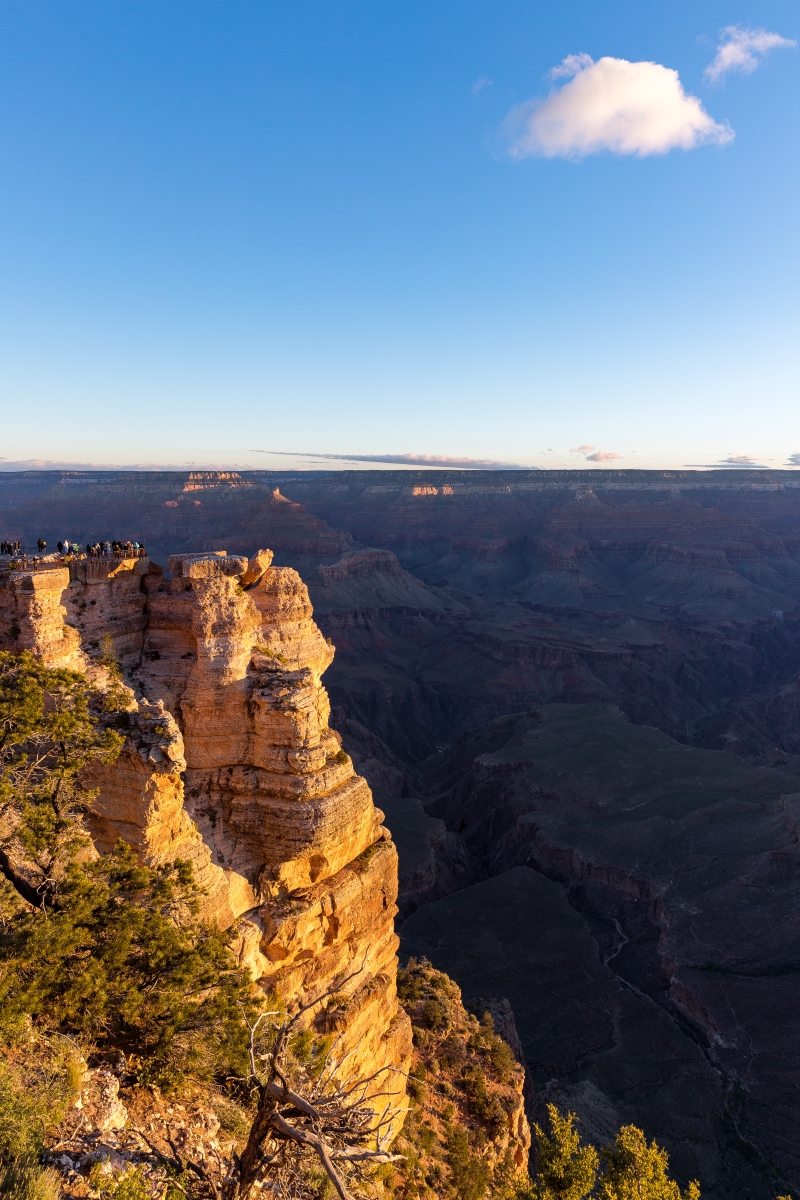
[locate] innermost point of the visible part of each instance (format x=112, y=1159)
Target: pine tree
x=101, y=945
x=48, y=735
x=632, y=1168
x=638, y=1171
x=566, y=1169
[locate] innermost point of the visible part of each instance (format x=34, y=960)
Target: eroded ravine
x=621, y=849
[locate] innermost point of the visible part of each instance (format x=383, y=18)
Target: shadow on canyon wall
x=576, y=696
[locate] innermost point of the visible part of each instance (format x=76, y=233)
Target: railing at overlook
x=49, y=562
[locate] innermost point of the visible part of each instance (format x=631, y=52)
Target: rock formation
x=465, y=1076
x=229, y=762
x=32, y=616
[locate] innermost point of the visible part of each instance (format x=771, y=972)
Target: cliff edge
x=229, y=762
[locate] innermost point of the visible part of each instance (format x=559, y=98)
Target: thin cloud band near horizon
x=409, y=460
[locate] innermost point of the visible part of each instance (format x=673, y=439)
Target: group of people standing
x=113, y=549
x=105, y=549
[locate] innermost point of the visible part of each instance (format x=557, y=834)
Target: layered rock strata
x=229, y=762
x=32, y=616
x=104, y=598
x=141, y=800
x=640, y=907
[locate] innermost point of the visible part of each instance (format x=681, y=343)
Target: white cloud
x=793, y=460
x=612, y=104
x=480, y=84
x=572, y=65
x=581, y=449
x=743, y=50
x=602, y=456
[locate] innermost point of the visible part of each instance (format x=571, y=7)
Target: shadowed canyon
x=576, y=699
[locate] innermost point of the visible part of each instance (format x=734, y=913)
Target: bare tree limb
x=295, y=1112
x=306, y=1138
x=368, y=1155
x=339, y=1096
x=27, y=891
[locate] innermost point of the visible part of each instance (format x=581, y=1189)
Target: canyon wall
x=455, y=596
x=229, y=762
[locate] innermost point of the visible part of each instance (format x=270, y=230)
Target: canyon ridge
x=575, y=696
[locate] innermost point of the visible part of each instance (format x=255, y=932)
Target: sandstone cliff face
x=105, y=597
x=141, y=800
x=266, y=779
x=229, y=762
x=32, y=616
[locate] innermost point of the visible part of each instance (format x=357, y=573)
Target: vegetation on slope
x=98, y=946
x=461, y=1134
x=461, y=1138
x=632, y=1168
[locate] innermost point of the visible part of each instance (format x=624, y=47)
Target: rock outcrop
x=32, y=616
x=229, y=763
x=105, y=597
x=141, y=800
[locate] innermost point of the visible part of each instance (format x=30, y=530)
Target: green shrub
x=117, y=696
x=48, y=735
x=632, y=1169
x=434, y=1014
x=39, y=1079
x=484, y=1105
x=25, y=1179
x=417, y=1088
x=452, y=1052
x=129, y=1184
x=636, y=1170
x=502, y=1059
x=409, y=985
x=124, y=959
x=22, y=1126
x=469, y=1172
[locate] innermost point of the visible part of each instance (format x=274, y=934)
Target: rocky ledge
x=229, y=762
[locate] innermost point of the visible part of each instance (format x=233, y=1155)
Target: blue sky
x=312, y=226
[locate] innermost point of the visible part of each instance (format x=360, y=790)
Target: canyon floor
x=576, y=697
